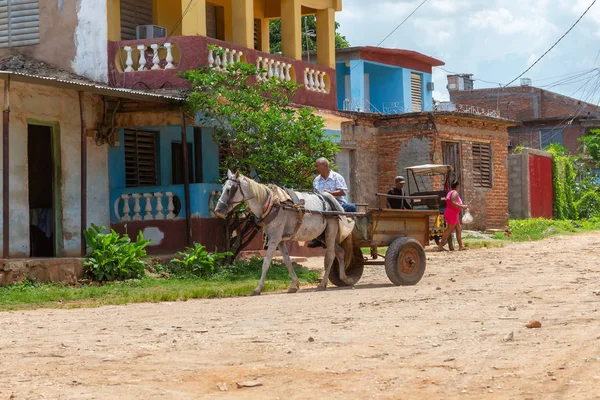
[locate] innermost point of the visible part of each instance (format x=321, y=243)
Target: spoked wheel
x=405, y=262
x=354, y=270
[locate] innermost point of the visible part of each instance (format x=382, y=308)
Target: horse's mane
x=258, y=190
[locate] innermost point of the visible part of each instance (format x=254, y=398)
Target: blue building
x=387, y=81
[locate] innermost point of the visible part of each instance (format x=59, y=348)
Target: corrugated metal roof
x=87, y=87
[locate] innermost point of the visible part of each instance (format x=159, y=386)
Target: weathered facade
x=546, y=117
x=384, y=146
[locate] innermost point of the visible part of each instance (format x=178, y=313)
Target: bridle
x=237, y=185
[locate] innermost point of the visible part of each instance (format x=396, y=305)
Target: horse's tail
x=348, y=246
x=333, y=203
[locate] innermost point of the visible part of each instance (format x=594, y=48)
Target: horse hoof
x=255, y=293
x=349, y=282
x=321, y=288
x=292, y=290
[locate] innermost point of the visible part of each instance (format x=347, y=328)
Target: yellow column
x=194, y=22
x=167, y=15
x=291, y=29
x=326, y=37
x=113, y=15
x=264, y=36
x=242, y=18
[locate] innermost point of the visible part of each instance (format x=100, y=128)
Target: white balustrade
x=221, y=57
x=315, y=80
x=153, y=207
x=270, y=68
x=161, y=54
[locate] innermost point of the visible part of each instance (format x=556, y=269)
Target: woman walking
x=453, y=206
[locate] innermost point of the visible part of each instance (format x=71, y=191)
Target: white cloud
x=493, y=39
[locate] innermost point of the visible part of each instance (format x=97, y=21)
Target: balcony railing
x=156, y=64
x=159, y=203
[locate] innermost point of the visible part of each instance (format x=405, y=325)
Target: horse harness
x=275, y=203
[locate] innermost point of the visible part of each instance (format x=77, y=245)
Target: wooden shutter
x=140, y=158
x=416, y=92
x=482, y=165
x=257, y=35
x=19, y=23
x=134, y=13
x=211, y=21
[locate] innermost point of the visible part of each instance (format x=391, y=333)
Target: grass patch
x=539, y=228
x=227, y=283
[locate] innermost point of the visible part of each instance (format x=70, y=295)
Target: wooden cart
x=405, y=232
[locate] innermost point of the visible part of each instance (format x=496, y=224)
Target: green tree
x=309, y=39
x=260, y=133
x=591, y=145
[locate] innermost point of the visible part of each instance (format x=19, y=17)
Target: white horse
x=281, y=224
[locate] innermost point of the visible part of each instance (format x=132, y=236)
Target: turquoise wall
x=199, y=193
x=387, y=84
x=166, y=136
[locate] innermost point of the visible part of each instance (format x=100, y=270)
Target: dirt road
x=442, y=339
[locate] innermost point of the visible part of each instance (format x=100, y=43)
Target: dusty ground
x=438, y=340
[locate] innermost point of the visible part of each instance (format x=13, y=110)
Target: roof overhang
x=87, y=87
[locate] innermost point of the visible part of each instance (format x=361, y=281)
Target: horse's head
x=231, y=195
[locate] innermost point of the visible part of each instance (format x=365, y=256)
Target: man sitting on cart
x=331, y=182
x=398, y=190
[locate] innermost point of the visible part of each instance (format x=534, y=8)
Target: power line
x=402, y=23
x=179, y=21
x=554, y=45
x=397, y=27
x=475, y=79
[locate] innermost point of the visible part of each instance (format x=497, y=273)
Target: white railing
x=153, y=210
x=464, y=108
x=220, y=57
x=269, y=68
x=145, y=57
x=315, y=80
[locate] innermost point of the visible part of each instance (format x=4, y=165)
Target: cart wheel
x=354, y=270
x=450, y=241
x=405, y=262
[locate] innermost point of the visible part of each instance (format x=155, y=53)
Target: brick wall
x=525, y=103
x=529, y=135
x=392, y=144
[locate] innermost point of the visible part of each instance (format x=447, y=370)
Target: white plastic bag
x=467, y=218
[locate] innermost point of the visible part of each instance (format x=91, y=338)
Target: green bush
x=114, y=257
x=564, y=176
x=196, y=261
x=589, y=205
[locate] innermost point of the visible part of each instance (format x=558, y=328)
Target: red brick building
x=382, y=147
x=546, y=117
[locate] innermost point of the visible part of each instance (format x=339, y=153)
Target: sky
x=495, y=40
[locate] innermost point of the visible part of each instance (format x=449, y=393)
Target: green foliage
x=261, y=134
x=564, y=177
x=518, y=150
x=591, y=145
x=252, y=269
x=309, y=24
x=196, y=262
x=588, y=206
x=114, y=257
x=538, y=228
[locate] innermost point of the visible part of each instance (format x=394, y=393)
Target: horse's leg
x=273, y=243
x=288, y=263
x=330, y=236
x=340, y=254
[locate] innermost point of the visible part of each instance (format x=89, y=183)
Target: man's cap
x=399, y=179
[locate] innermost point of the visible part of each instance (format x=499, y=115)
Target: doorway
x=41, y=191
x=451, y=156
